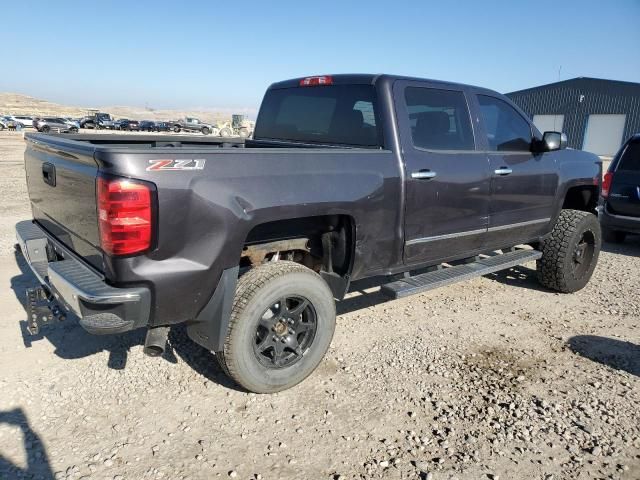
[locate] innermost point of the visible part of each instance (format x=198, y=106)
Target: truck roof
x=370, y=79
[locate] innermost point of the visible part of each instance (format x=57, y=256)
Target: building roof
x=587, y=83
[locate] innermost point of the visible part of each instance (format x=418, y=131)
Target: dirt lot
x=494, y=378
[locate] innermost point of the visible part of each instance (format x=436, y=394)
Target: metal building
x=597, y=115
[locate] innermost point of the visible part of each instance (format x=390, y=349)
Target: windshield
x=332, y=114
x=103, y=116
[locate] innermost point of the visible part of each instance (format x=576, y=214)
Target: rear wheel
x=613, y=236
x=176, y=129
x=282, y=323
x=225, y=132
x=570, y=253
x=45, y=129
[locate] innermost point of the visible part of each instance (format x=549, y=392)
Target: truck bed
x=149, y=141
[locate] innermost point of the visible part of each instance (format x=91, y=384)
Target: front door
x=523, y=184
x=447, y=180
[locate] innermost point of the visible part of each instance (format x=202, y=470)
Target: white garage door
x=604, y=134
x=548, y=123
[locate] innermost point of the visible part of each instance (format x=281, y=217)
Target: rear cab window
x=327, y=114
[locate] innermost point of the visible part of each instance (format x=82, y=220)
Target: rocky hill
x=19, y=104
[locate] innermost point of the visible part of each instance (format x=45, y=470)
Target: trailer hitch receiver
x=42, y=309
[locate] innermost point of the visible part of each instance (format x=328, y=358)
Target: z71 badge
x=177, y=164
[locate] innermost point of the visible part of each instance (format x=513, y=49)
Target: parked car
x=99, y=120
x=11, y=124
x=190, y=124
x=147, y=126
x=619, y=208
x=163, y=127
x=54, y=124
x=249, y=246
x=8, y=123
x=126, y=124
x=26, y=121
x=72, y=122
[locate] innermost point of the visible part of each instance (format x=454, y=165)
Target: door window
x=507, y=130
x=439, y=119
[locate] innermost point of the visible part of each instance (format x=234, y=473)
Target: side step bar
x=448, y=275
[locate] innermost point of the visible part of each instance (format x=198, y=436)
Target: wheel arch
x=324, y=243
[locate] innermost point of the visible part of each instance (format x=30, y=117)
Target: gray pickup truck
x=190, y=124
x=417, y=182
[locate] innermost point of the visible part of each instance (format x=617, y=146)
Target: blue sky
x=211, y=54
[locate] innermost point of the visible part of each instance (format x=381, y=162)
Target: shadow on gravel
x=36, y=453
x=71, y=341
x=630, y=247
x=614, y=353
x=69, y=338
x=198, y=358
x=519, y=276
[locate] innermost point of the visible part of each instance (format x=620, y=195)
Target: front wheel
x=176, y=129
x=570, y=253
x=282, y=322
x=225, y=132
x=205, y=131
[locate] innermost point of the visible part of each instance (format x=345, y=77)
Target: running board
x=448, y=275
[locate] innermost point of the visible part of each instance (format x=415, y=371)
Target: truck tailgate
x=61, y=180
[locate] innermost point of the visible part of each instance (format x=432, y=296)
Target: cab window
x=506, y=129
x=439, y=119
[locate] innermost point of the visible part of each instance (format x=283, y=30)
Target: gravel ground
x=493, y=378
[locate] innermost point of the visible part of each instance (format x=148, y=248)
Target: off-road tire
x=45, y=129
x=225, y=132
x=205, y=131
x=557, y=267
x=613, y=236
x=176, y=129
x=256, y=291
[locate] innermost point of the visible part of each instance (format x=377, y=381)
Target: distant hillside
x=18, y=104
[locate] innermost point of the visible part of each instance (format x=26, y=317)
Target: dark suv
x=620, y=205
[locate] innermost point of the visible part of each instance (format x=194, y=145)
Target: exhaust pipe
x=156, y=341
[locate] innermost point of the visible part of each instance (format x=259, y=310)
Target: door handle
x=423, y=175
x=502, y=171
x=49, y=173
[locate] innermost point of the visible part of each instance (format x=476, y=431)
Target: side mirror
x=554, y=141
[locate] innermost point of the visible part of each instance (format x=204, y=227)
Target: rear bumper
x=618, y=222
x=73, y=286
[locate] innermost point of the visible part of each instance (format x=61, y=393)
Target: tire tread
x=248, y=285
x=556, y=251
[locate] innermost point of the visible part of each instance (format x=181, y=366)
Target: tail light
x=125, y=216
x=314, y=81
x=606, y=184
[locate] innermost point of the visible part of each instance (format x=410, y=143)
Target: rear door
x=624, y=193
x=447, y=180
x=523, y=184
